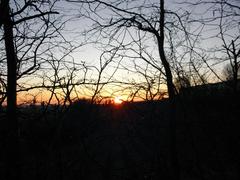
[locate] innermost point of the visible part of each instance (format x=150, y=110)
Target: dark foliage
x=130, y=141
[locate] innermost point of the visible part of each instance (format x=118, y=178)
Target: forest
x=119, y=89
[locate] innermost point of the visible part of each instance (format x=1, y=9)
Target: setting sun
x=118, y=100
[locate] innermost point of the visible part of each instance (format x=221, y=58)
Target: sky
x=207, y=40
x=86, y=49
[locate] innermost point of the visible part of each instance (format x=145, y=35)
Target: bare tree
x=16, y=20
x=228, y=72
x=146, y=17
x=221, y=25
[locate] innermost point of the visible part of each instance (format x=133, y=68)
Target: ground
x=130, y=141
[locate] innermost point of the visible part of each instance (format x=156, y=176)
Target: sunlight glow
x=118, y=100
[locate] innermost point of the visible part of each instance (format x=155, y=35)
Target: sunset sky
x=83, y=51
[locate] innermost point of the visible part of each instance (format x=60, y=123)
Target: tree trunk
x=235, y=67
x=160, y=39
x=175, y=171
x=12, y=149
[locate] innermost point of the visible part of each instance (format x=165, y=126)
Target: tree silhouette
x=223, y=17
x=12, y=16
x=133, y=16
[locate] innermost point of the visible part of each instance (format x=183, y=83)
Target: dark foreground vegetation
x=129, y=141
x=63, y=50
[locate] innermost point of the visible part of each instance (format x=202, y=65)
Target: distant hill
x=212, y=89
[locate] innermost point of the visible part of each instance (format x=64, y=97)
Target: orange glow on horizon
x=117, y=100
